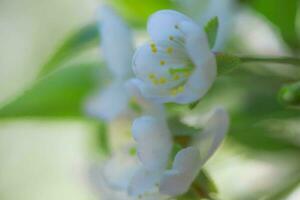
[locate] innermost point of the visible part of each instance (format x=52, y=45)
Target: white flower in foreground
x=117, y=49
x=178, y=65
x=126, y=176
x=154, y=146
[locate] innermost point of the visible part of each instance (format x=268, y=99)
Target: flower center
x=174, y=65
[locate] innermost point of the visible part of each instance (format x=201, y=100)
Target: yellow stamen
x=187, y=74
x=180, y=89
x=171, y=38
x=169, y=50
x=162, y=80
x=162, y=62
x=152, y=76
x=176, y=77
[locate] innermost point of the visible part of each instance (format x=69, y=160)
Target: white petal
x=161, y=24
x=205, y=72
x=116, y=42
x=109, y=103
x=149, y=107
x=119, y=170
x=153, y=140
x=144, y=181
x=102, y=188
x=213, y=134
x=185, y=168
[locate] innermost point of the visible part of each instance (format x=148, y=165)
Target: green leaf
x=281, y=13
x=136, y=12
x=227, y=62
x=80, y=40
x=60, y=94
x=103, y=138
x=178, y=128
x=211, y=29
x=194, y=104
x=287, y=187
x=290, y=94
x=203, y=187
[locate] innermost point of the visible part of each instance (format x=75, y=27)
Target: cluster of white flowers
x=178, y=66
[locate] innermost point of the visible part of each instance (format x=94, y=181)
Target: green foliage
x=211, y=29
x=203, y=187
x=178, y=128
x=103, y=138
x=254, y=101
x=286, y=188
x=282, y=14
x=61, y=94
x=137, y=12
x=290, y=94
x=227, y=62
x=82, y=39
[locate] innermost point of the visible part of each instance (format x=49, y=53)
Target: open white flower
x=154, y=145
x=126, y=176
x=117, y=49
x=178, y=65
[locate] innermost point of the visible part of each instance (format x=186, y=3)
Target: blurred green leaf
x=80, y=40
x=289, y=94
x=178, y=128
x=227, y=62
x=211, y=29
x=60, y=94
x=103, y=138
x=287, y=187
x=203, y=187
x=137, y=12
x=281, y=13
x=251, y=100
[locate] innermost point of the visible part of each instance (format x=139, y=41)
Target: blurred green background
x=50, y=62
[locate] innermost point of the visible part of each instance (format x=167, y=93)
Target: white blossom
x=178, y=65
x=154, y=146
x=117, y=49
x=127, y=176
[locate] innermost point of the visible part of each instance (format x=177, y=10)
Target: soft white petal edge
x=116, y=42
x=186, y=166
x=162, y=23
x=206, y=67
x=214, y=132
x=144, y=181
x=154, y=142
x=109, y=103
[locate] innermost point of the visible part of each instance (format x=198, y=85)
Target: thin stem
x=282, y=60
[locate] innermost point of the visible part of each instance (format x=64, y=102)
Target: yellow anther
x=162, y=62
x=169, y=50
x=187, y=74
x=156, y=82
x=152, y=76
x=162, y=80
x=154, y=50
x=173, y=92
x=153, y=45
x=176, y=77
x=171, y=38
x=176, y=91
x=180, y=89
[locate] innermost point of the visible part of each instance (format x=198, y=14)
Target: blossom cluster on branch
x=177, y=66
